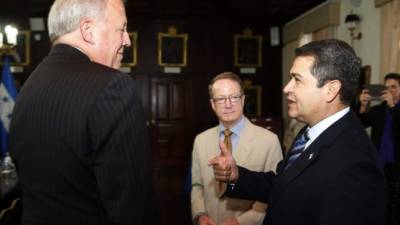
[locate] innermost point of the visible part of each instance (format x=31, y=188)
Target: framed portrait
x=130, y=53
x=247, y=49
x=172, y=48
x=21, y=54
x=365, y=76
x=252, y=103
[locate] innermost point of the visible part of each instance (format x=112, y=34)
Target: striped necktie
x=298, y=148
x=228, y=143
x=227, y=140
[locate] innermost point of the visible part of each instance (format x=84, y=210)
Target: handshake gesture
x=224, y=165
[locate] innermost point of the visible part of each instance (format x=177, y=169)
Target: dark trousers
x=392, y=173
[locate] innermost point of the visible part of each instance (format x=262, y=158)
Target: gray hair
x=65, y=15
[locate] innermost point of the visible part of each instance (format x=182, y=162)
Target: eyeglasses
x=232, y=99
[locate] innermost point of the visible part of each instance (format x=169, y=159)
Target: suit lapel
x=282, y=164
x=306, y=158
x=311, y=154
x=244, y=147
x=213, y=145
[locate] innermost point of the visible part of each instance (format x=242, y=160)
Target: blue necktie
x=298, y=148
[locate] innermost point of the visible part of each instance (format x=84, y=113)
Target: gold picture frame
x=247, y=49
x=130, y=53
x=21, y=54
x=253, y=102
x=172, y=48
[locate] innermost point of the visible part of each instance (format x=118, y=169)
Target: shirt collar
x=236, y=129
x=324, y=124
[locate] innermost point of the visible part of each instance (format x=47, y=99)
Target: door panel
x=160, y=101
x=171, y=138
x=178, y=93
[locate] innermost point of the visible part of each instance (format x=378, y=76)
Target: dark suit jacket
x=375, y=118
x=335, y=181
x=80, y=144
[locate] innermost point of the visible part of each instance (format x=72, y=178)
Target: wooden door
x=171, y=140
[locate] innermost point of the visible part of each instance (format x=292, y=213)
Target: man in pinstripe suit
x=78, y=136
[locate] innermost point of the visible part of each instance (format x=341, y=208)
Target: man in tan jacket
x=252, y=146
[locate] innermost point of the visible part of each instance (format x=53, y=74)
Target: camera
x=375, y=90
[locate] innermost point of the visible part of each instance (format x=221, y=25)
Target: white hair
x=65, y=15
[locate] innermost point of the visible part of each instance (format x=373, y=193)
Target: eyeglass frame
x=232, y=99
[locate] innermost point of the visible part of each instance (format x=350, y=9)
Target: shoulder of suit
x=111, y=76
x=349, y=135
x=108, y=71
x=211, y=132
x=260, y=130
x=380, y=107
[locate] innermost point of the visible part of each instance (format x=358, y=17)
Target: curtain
x=324, y=33
x=390, y=38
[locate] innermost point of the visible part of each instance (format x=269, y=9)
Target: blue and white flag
x=8, y=92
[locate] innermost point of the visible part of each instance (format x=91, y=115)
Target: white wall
x=368, y=48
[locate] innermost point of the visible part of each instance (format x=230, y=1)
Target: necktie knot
x=227, y=133
x=303, y=138
x=298, y=148
x=301, y=141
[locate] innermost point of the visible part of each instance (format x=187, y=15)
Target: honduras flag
x=8, y=92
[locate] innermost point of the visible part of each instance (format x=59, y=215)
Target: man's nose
x=228, y=102
x=126, y=40
x=288, y=86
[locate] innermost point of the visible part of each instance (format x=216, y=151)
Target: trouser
x=392, y=174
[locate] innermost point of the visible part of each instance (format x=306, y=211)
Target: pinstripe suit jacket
x=80, y=144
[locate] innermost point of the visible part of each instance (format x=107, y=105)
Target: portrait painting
x=172, y=48
x=252, y=105
x=247, y=49
x=130, y=53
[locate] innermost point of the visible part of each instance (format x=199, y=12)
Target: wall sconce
x=351, y=22
x=8, y=40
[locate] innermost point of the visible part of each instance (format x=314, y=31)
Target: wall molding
x=323, y=16
x=379, y=3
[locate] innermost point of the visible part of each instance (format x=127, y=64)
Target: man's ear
x=86, y=28
x=212, y=104
x=332, y=89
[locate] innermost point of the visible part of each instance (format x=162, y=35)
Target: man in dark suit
x=384, y=120
x=78, y=136
x=331, y=174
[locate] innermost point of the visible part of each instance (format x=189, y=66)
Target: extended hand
x=230, y=221
x=205, y=220
x=224, y=165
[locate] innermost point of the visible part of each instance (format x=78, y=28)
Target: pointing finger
x=224, y=150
